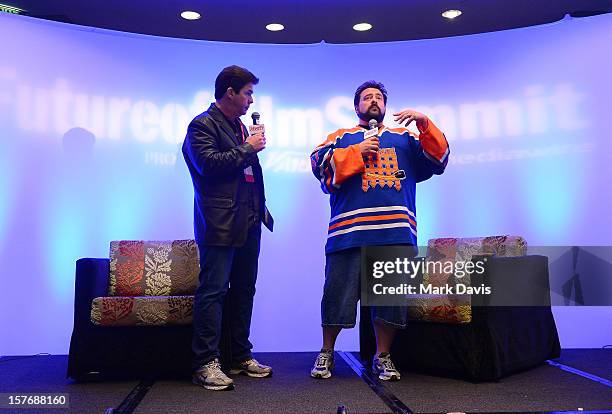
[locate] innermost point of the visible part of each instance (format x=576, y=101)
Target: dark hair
x=233, y=77
x=370, y=84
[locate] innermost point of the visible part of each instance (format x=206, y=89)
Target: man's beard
x=366, y=116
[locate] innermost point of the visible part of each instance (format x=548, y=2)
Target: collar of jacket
x=218, y=116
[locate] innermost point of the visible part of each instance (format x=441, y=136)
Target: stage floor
x=579, y=381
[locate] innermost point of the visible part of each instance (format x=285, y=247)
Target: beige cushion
x=142, y=310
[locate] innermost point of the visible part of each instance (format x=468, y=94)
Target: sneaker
x=323, y=364
x=384, y=367
x=211, y=377
x=252, y=368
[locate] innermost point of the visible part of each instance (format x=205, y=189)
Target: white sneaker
x=323, y=364
x=252, y=368
x=384, y=367
x=211, y=377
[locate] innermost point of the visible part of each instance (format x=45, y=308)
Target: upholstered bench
x=134, y=311
x=448, y=335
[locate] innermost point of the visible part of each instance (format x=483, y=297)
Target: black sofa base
x=127, y=351
x=499, y=341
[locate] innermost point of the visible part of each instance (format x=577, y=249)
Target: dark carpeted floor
x=290, y=390
x=544, y=388
x=47, y=374
x=594, y=361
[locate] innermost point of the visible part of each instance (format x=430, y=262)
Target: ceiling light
x=275, y=27
x=190, y=15
x=362, y=27
x=451, y=14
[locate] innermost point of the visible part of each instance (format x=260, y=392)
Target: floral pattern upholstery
x=142, y=310
x=153, y=268
x=457, y=308
x=151, y=283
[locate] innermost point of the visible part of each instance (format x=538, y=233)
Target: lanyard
x=242, y=136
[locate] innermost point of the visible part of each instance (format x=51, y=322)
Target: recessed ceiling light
x=190, y=15
x=275, y=27
x=362, y=27
x=451, y=14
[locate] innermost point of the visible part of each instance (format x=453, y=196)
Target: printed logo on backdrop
x=292, y=132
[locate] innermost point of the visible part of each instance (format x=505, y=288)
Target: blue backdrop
x=92, y=122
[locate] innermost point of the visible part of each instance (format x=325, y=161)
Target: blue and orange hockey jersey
x=373, y=198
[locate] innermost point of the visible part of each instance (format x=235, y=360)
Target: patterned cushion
x=143, y=310
x=153, y=268
x=457, y=308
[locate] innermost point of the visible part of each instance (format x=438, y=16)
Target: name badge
x=248, y=174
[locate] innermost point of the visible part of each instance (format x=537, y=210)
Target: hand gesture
x=409, y=115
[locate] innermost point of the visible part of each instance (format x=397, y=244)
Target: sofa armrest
x=91, y=281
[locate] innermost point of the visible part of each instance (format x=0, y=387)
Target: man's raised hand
x=409, y=115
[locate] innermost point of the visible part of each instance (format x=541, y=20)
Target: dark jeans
x=225, y=271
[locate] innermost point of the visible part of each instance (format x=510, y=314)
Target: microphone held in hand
x=373, y=131
x=256, y=128
x=255, y=117
x=257, y=136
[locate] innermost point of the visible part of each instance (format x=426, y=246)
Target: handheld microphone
x=255, y=117
x=256, y=128
x=373, y=131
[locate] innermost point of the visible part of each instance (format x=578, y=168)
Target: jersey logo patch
x=380, y=170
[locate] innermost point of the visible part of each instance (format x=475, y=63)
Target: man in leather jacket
x=229, y=208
